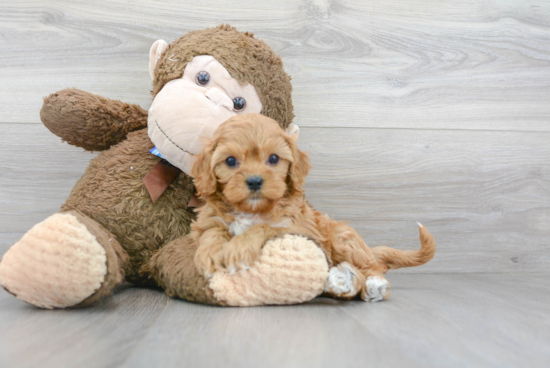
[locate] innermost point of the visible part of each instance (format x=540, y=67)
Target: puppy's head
x=250, y=163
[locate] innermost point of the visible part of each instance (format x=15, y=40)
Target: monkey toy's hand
x=90, y=121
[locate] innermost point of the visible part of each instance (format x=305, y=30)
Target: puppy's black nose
x=254, y=182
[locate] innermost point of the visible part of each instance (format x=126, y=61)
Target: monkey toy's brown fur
x=111, y=200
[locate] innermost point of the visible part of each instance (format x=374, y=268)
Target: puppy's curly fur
x=251, y=175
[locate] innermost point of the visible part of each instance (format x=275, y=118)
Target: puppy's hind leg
x=347, y=282
x=377, y=288
x=348, y=247
x=344, y=281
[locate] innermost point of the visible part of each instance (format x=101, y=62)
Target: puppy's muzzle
x=254, y=182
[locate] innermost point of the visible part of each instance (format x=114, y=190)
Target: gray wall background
x=425, y=111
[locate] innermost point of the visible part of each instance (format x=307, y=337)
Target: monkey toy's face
x=206, y=77
x=190, y=108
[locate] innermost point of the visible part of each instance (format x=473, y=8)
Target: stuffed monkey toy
x=127, y=218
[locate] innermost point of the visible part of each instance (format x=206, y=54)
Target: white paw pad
x=377, y=288
x=340, y=280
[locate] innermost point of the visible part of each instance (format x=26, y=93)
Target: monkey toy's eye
x=238, y=103
x=231, y=161
x=273, y=159
x=203, y=78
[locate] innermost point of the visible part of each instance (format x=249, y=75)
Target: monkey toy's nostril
x=254, y=182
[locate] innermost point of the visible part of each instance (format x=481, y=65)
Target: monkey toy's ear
x=154, y=55
x=293, y=130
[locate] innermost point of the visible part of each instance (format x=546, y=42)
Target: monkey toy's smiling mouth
x=191, y=108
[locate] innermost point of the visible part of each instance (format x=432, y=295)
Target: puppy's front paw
x=208, y=260
x=235, y=258
x=377, y=289
x=241, y=251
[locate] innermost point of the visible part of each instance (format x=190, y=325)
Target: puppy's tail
x=390, y=258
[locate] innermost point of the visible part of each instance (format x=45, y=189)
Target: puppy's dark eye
x=273, y=159
x=203, y=78
x=239, y=103
x=231, y=161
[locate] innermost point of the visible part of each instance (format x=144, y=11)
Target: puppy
x=251, y=176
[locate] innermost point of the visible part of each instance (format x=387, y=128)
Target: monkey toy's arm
x=89, y=121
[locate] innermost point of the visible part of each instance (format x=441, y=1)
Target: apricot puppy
x=251, y=175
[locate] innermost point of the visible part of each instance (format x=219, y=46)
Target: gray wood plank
x=465, y=320
x=38, y=173
x=485, y=195
x=102, y=336
x=451, y=320
x=313, y=335
x=462, y=65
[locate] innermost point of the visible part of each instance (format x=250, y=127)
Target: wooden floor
x=451, y=320
x=418, y=110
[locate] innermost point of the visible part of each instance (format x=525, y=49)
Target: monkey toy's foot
x=60, y=263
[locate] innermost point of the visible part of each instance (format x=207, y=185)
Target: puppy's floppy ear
x=203, y=172
x=299, y=168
